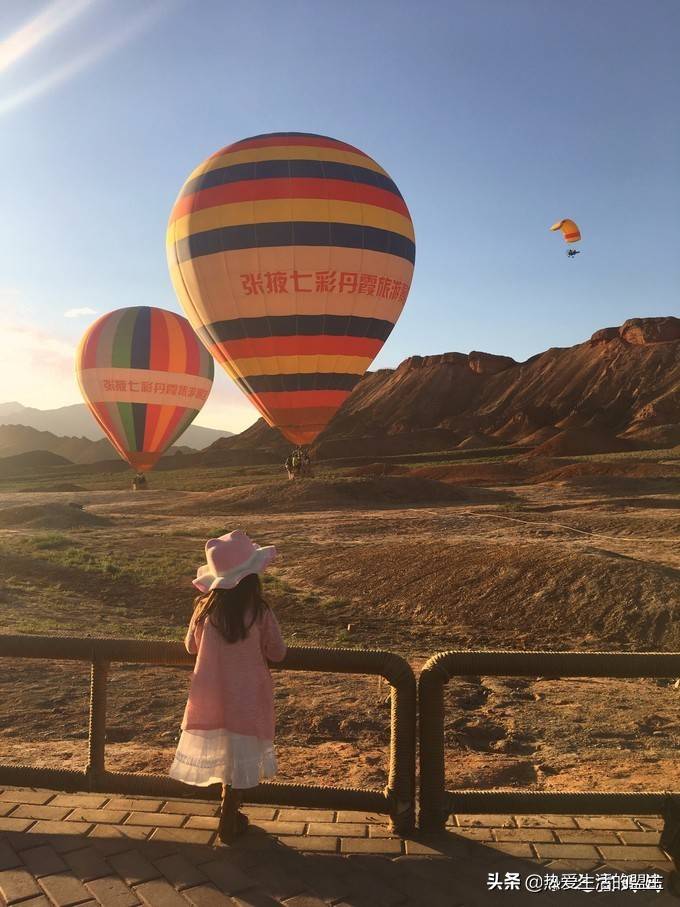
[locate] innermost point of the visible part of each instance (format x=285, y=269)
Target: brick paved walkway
x=109, y=851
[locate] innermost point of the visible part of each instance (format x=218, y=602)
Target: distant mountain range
x=17, y=440
x=76, y=421
x=620, y=390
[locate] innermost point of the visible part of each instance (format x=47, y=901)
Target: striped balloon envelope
x=292, y=256
x=144, y=376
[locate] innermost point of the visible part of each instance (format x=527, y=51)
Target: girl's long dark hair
x=228, y=609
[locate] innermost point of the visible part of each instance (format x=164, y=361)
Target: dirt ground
x=554, y=555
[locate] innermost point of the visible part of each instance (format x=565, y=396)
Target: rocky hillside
x=619, y=390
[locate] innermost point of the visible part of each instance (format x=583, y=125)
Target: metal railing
x=397, y=800
x=436, y=803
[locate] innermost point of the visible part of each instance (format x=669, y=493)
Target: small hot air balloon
x=292, y=256
x=144, y=376
x=570, y=232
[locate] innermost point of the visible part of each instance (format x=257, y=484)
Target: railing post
x=401, y=786
x=97, y=728
x=434, y=809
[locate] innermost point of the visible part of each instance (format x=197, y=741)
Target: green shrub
x=47, y=541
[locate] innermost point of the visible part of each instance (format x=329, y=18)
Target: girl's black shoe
x=232, y=826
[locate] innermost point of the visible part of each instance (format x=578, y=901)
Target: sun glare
x=40, y=29
x=24, y=40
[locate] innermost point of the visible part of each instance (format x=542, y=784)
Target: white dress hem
x=223, y=757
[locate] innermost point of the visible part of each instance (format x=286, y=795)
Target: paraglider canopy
x=570, y=230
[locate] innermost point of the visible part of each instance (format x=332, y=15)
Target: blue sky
x=494, y=117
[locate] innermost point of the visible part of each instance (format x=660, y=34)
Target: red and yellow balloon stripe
x=292, y=256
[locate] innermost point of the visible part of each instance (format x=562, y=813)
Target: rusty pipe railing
x=436, y=803
x=398, y=798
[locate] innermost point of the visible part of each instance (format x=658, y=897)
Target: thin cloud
x=40, y=29
x=36, y=345
x=123, y=35
x=36, y=367
x=78, y=313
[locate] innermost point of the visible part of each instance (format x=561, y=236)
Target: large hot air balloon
x=292, y=255
x=144, y=376
x=570, y=232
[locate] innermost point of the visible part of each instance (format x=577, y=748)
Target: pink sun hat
x=230, y=558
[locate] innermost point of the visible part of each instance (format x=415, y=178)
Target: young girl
x=228, y=725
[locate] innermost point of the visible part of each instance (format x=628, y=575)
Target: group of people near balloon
x=139, y=483
x=292, y=255
x=298, y=463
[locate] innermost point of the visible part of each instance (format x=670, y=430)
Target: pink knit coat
x=231, y=688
